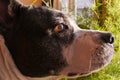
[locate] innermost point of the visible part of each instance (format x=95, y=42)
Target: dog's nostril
x=107, y=38
x=111, y=40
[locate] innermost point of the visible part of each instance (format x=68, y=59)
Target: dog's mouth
x=86, y=56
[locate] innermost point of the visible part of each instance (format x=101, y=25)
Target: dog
x=37, y=42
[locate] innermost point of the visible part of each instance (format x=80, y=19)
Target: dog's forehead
x=45, y=18
x=43, y=15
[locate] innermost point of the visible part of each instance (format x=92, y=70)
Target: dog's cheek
x=64, y=38
x=54, y=60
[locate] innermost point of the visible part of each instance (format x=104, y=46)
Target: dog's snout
x=107, y=38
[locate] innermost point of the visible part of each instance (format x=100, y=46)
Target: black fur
x=35, y=46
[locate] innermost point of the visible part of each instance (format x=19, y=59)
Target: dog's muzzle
x=90, y=51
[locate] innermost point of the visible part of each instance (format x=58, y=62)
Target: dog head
x=44, y=42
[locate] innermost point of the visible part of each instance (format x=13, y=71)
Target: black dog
x=46, y=42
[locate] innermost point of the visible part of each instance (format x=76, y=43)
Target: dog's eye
x=59, y=28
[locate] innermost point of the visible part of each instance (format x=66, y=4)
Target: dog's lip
x=77, y=74
x=72, y=74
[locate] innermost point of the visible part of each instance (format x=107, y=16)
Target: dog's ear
x=3, y=9
x=9, y=8
x=14, y=7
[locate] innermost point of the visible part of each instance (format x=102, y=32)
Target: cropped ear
x=9, y=8
x=3, y=9
x=13, y=7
